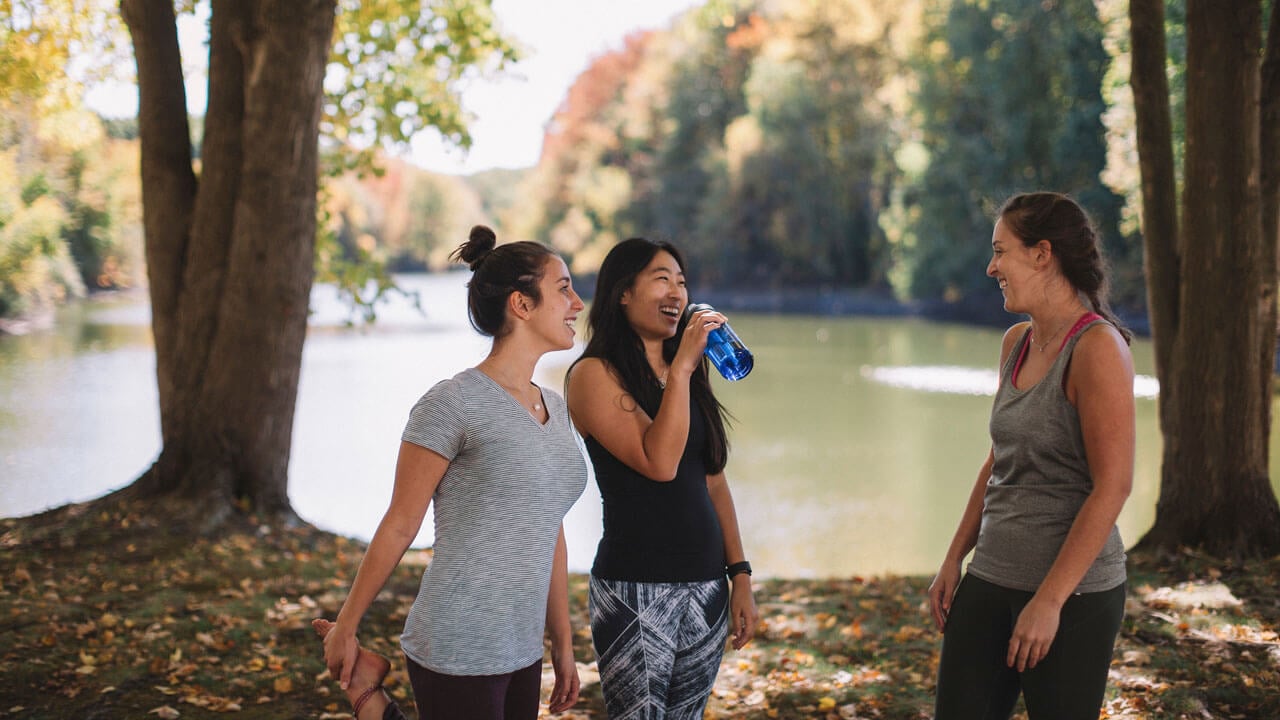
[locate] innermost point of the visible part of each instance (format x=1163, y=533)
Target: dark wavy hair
x=612, y=339
x=1055, y=217
x=498, y=271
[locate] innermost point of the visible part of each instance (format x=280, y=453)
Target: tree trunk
x=231, y=274
x=1215, y=491
x=1162, y=256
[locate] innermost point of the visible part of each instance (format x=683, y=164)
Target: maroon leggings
x=510, y=696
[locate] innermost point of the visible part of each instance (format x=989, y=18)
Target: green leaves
x=397, y=66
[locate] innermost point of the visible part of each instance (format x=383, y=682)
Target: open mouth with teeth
x=670, y=311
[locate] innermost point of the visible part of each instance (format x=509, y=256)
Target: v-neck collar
x=511, y=398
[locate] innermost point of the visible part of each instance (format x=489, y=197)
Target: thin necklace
x=519, y=396
x=662, y=380
x=1041, y=346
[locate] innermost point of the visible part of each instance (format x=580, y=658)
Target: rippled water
x=855, y=444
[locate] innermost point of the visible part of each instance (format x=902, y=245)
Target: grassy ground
x=104, y=614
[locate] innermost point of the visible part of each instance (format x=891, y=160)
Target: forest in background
x=849, y=146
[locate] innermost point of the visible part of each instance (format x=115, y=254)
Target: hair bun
x=479, y=244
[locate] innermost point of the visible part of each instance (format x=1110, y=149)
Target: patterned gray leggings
x=658, y=645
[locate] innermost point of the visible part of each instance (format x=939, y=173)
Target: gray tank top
x=1038, y=482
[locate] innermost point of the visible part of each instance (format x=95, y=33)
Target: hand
x=1033, y=633
x=941, y=592
x=742, y=610
x=565, y=693
x=694, y=340
x=340, y=650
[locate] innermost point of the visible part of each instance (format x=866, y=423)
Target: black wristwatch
x=737, y=569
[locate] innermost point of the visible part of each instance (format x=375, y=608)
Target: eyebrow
x=664, y=268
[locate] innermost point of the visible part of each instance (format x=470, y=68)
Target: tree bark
x=1215, y=490
x=168, y=181
x=233, y=270
x=1162, y=256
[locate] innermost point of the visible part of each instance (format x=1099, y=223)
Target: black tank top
x=658, y=531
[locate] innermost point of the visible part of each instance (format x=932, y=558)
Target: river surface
x=854, y=446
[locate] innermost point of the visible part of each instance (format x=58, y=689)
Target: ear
x=1044, y=252
x=626, y=297
x=519, y=305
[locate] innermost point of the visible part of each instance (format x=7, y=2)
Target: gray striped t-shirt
x=481, y=609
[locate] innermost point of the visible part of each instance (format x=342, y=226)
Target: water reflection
x=968, y=381
x=855, y=441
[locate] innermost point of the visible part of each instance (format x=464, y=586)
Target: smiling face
x=554, y=317
x=1014, y=267
x=654, y=302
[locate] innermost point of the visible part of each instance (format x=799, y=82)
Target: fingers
x=349, y=663
x=940, y=593
x=744, y=627
x=565, y=693
x=940, y=606
x=700, y=325
x=1025, y=653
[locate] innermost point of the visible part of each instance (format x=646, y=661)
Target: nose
x=577, y=303
x=991, y=267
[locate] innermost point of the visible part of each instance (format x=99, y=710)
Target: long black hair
x=612, y=339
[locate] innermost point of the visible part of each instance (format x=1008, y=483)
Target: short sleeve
x=437, y=421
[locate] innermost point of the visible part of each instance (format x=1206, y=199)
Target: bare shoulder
x=1102, y=347
x=1011, y=337
x=589, y=371
x=1101, y=366
x=588, y=378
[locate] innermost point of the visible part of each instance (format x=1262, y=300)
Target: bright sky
x=559, y=38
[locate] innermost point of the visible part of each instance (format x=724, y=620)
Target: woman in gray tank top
x=497, y=457
x=1039, y=608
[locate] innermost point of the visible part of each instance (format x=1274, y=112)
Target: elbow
x=659, y=471
x=1113, y=493
x=663, y=475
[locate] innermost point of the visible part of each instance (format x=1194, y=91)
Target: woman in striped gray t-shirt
x=498, y=457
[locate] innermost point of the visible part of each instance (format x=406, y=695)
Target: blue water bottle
x=725, y=349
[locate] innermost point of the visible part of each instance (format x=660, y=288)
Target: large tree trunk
x=1215, y=492
x=230, y=263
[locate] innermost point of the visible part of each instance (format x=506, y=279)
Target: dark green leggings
x=975, y=682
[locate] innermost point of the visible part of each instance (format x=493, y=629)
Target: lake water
x=855, y=444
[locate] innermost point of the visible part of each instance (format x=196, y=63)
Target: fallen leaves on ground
x=107, y=612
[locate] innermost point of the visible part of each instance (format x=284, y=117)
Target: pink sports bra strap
x=1085, y=319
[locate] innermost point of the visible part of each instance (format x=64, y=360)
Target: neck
x=653, y=353
x=509, y=365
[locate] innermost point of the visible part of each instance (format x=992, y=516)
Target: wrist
x=738, y=569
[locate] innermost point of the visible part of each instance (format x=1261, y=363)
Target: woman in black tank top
x=641, y=397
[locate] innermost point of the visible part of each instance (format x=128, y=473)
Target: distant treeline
x=846, y=154
x=850, y=145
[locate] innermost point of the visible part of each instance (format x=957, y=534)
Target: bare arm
x=559, y=627
x=418, y=472
x=601, y=408
x=742, y=603
x=943, y=587
x=1100, y=385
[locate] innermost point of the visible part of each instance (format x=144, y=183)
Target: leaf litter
x=106, y=613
